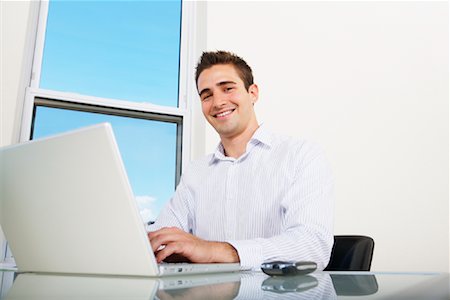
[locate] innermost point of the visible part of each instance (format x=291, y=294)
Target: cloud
x=145, y=200
x=146, y=207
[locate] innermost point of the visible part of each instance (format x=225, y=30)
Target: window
x=113, y=49
x=120, y=62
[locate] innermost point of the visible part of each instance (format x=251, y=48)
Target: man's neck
x=237, y=145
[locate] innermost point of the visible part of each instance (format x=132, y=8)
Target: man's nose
x=220, y=100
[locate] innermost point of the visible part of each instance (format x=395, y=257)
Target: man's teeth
x=224, y=113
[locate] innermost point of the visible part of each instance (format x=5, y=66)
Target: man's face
x=226, y=104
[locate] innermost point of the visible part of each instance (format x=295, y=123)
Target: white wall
x=15, y=56
x=368, y=81
x=14, y=33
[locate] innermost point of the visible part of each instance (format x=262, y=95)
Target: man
x=259, y=197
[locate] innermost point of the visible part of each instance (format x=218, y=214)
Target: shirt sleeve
x=177, y=212
x=308, y=208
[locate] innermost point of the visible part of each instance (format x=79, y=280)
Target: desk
x=244, y=285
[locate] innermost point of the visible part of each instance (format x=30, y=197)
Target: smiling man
x=259, y=197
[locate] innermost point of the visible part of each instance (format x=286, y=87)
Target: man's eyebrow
x=222, y=83
x=225, y=83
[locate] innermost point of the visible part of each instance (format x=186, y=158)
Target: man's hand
x=175, y=241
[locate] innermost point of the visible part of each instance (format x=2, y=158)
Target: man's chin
x=225, y=131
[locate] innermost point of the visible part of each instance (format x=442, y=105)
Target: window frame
x=181, y=115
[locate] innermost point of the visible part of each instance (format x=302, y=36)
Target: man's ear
x=254, y=92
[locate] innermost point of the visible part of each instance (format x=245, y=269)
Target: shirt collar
x=260, y=137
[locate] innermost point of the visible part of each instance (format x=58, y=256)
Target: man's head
x=209, y=59
x=226, y=89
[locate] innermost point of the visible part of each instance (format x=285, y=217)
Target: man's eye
x=228, y=89
x=206, y=97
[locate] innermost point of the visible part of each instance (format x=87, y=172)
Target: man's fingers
x=165, y=236
x=157, y=242
x=162, y=240
x=172, y=248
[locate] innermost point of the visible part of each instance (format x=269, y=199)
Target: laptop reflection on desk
x=31, y=286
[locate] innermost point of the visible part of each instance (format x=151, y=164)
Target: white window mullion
x=39, y=48
x=187, y=80
x=116, y=103
x=27, y=116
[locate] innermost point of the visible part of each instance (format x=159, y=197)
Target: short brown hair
x=210, y=59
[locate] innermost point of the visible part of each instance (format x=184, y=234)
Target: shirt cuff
x=250, y=253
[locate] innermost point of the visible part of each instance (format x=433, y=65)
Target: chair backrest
x=351, y=253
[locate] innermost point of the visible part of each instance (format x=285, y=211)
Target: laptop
x=66, y=206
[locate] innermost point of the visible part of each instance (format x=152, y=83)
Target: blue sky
x=114, y=49
x=125, y=50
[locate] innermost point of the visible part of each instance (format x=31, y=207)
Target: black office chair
x=351, y=253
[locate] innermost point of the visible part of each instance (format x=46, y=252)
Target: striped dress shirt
x=274, y=202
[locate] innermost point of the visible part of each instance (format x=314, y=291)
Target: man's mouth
x=224, y=113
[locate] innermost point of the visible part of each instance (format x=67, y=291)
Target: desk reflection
x=245, y=285
x=282, y=285
x=354, y=285
x=312, y=286
x=211, y=286
x=220, y=291
x=44, y=286
x=257, y=286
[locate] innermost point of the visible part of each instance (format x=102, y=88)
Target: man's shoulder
x=293, y=142
x=296, y=148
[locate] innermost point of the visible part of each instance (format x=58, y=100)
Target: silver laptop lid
x=67, y=206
